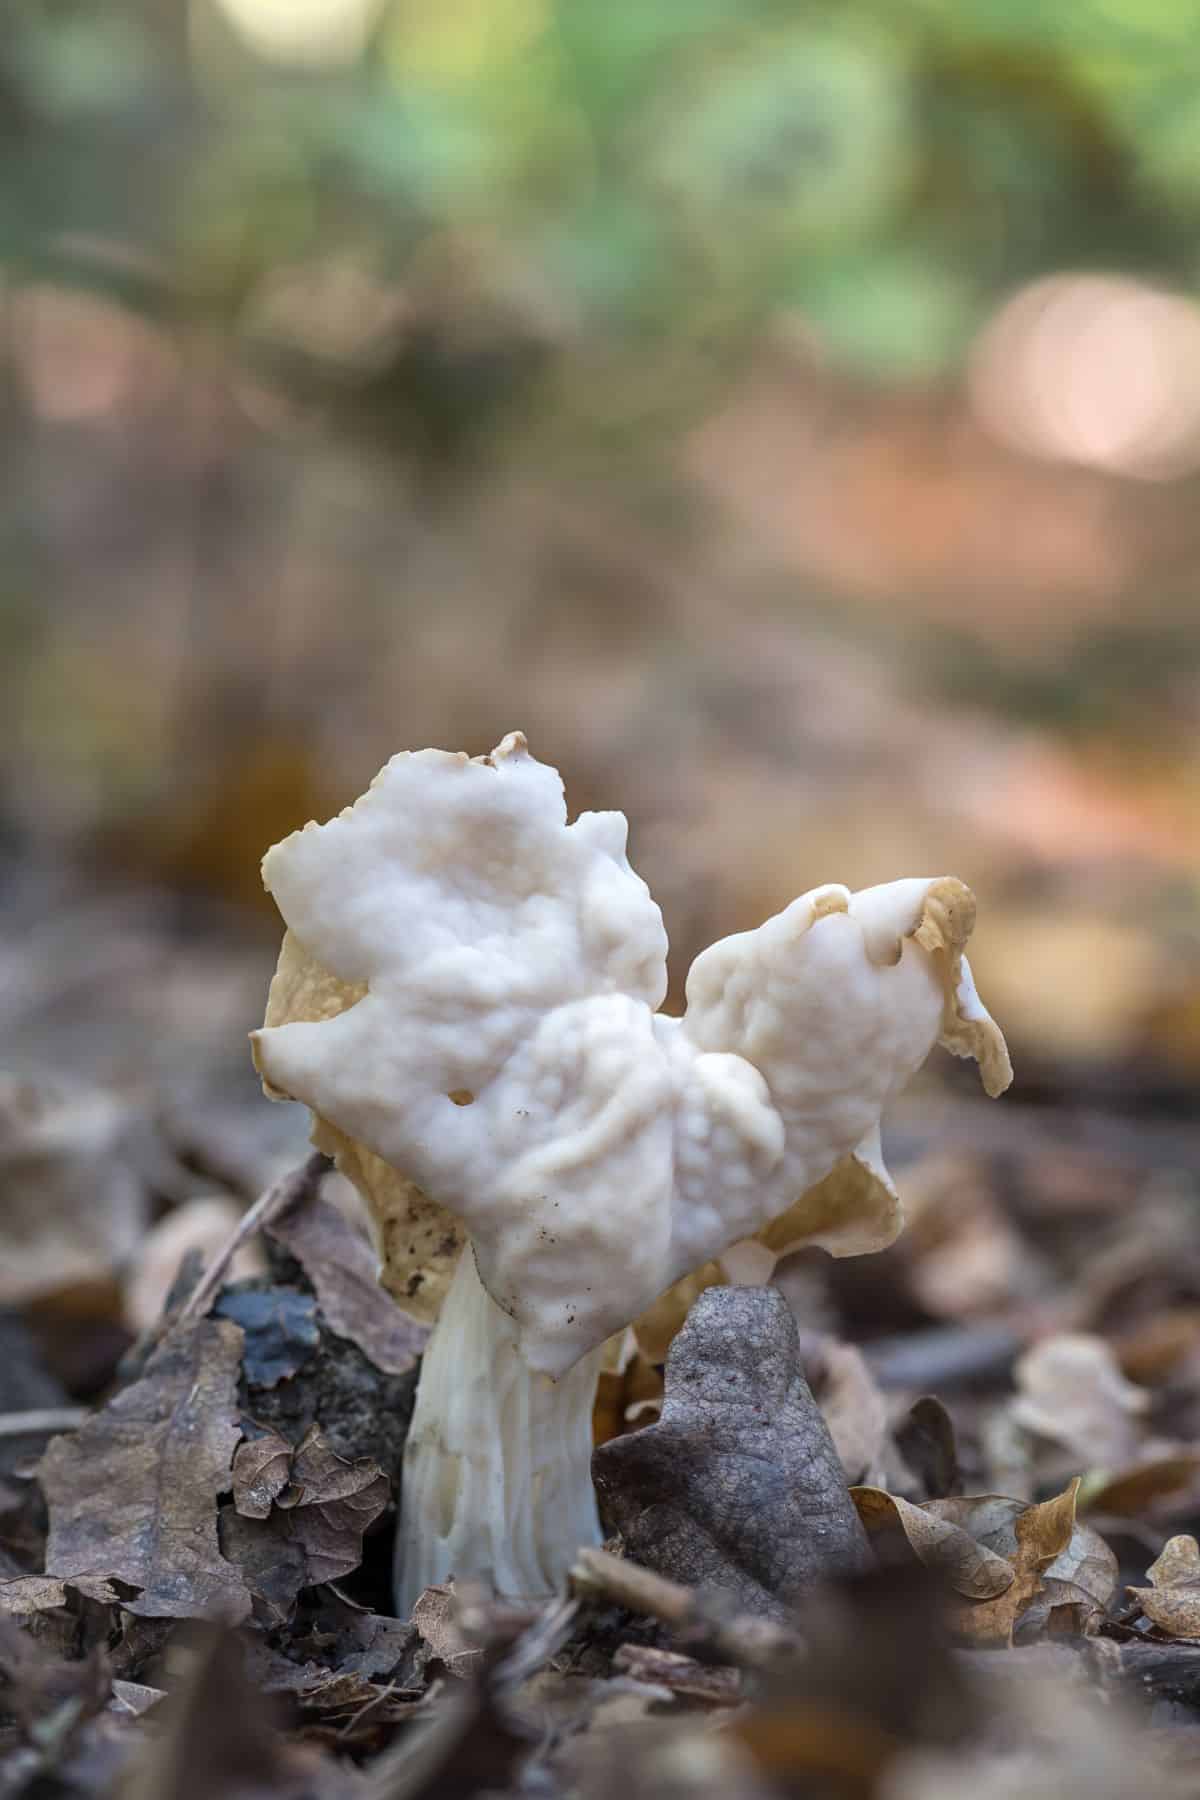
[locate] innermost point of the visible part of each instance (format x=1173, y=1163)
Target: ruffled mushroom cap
x=855, y=1208
x=467, y=995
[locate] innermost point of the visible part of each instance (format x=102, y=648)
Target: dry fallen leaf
x=133, y=1493
x=970, y=1568
x=1042, y=1533
x=318, y=1505
x=1167, y=1480
x=738, y=1486
x=262, y=1468
x=1172, y=1601
x=1072, y=1391
x=1017, y=1562
x=927, y=1441
x=340, y=1264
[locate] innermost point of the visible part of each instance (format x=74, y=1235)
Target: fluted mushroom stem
x=497, y=1478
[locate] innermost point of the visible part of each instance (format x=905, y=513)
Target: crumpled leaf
x=338, y=1261
x=1016, y=1561
x=316, y=1518
x=281, y=1330
x=1082, y=1579
x=969, y=1566
x=1041, y=1533
x=132, y=1494
x=1072, y=1391
x=738, y=1486
x=262, y=1468
x=1172, y=1601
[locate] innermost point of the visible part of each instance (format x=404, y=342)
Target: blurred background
x=787, y=414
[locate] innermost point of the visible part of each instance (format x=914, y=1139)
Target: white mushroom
x=466, y=999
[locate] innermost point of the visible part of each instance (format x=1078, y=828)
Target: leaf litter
x=743, y=1634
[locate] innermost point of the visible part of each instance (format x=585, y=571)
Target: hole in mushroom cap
x=461, y=1097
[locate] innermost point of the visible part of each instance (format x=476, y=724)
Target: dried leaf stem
x=283, y=1194
x=752, y=1643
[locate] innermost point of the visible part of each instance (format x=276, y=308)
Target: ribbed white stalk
x=497, y=1468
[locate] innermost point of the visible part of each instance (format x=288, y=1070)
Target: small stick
x=279, y=1198
x=43, y=1422
x=753, y=1643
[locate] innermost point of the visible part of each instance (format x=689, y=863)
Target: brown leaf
x=1081, y=1576
x=1042, y=1533
x=970, y=1568
x=1142, y=1486
x=132, y=1494
x=926, y=1440
x=1083, y=1579
x=1153, y=1349
x=261, y=1470
x=1071, y=1390
x=314, y=1526
x=342, y=1269
x=738, y=1486
x=1172, y=1602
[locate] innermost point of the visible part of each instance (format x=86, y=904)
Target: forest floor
x=197, y=1497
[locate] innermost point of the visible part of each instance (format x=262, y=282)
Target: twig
x=544, y=1637
x=279, y=1198
x=736, y=1637
x=43, y=1422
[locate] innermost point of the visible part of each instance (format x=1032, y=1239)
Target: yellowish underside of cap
x=419, y=1242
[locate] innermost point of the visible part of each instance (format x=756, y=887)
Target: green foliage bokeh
x=612, y=194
